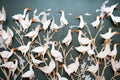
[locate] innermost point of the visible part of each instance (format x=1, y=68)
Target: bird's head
x=14, y=60
x=100, y=17
x=60, y=11
x=71, y=30
x=55, y=43
x=28, y=9
x=78, y=17
x=117, y=32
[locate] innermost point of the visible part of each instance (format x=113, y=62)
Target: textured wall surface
x=72, y=8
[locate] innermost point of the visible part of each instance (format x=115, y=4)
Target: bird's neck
x=63, y=14
x=53, y=46
x=24, y=13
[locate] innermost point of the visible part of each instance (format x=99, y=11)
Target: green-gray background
x=76, y=7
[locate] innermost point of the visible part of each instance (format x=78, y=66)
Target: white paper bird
x=33, y=34
x=115, y=19
x=115, y=65
x=63, y=20
x=96, y=23
x=93, y=68
x=73, y=67
x=10, y=65
x=113, y=53
x=82, y=40
x=105, y=52
x=46, y=24
x=44, y=18
x=18, y=16
x=3, y=15
x=109, y=10
x=28, y=74
x=109, y=34
x=6, y=54
x=40, y=50
x=24, y=48
x=48, y=69
x=26, y=23
x=67, y=40
x=35, y=61
x=82, y=23
x=91, y=51
x=102, y=14
x=36, y=17
x=60, y=77
x=83, y=48
x=55, y=53
x=53, y=26
x=8, y=41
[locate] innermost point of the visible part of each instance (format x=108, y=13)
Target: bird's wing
x=10, y=32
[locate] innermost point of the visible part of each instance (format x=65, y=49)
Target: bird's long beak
x=14, y=49
x=61, y=66
x=117, y=32
x=33, y=20
x=78, y=17
x=28, y=9
x=77, y=30
x=72, y=30
x=79, y=57
x=118, y=44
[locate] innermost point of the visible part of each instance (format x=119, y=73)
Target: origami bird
x=33, y=34
x=28, y=74
x=83, y=48
x=46, y=24
x=96, y=23
x=6, y=54
x=109, y=34
x=105, y=52
x=113, y=53
x=73, y=67
x=93, y=68
x=8, y=41
x=102, y=14
x=109, y=10
x=48, y=69
x=55, y=53
x=67, y=40
x=26, y=23
x=53, y=26
x=7, y=36
x=10, y=65
x=82, y=40
x=115, y=19
x=18, y=16
x=82, y=23
x=24, y=48
x=35, y=16
x=60, y=77
x=3, y=15
x=40, y=50
x=44, y=18
x=63, y=20
x=115, y=65
x=35, y=61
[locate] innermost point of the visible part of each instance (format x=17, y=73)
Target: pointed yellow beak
x=28, y=9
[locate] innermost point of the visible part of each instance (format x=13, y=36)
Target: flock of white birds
x=36, y=55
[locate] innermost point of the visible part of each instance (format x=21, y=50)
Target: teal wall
x=76, y=7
